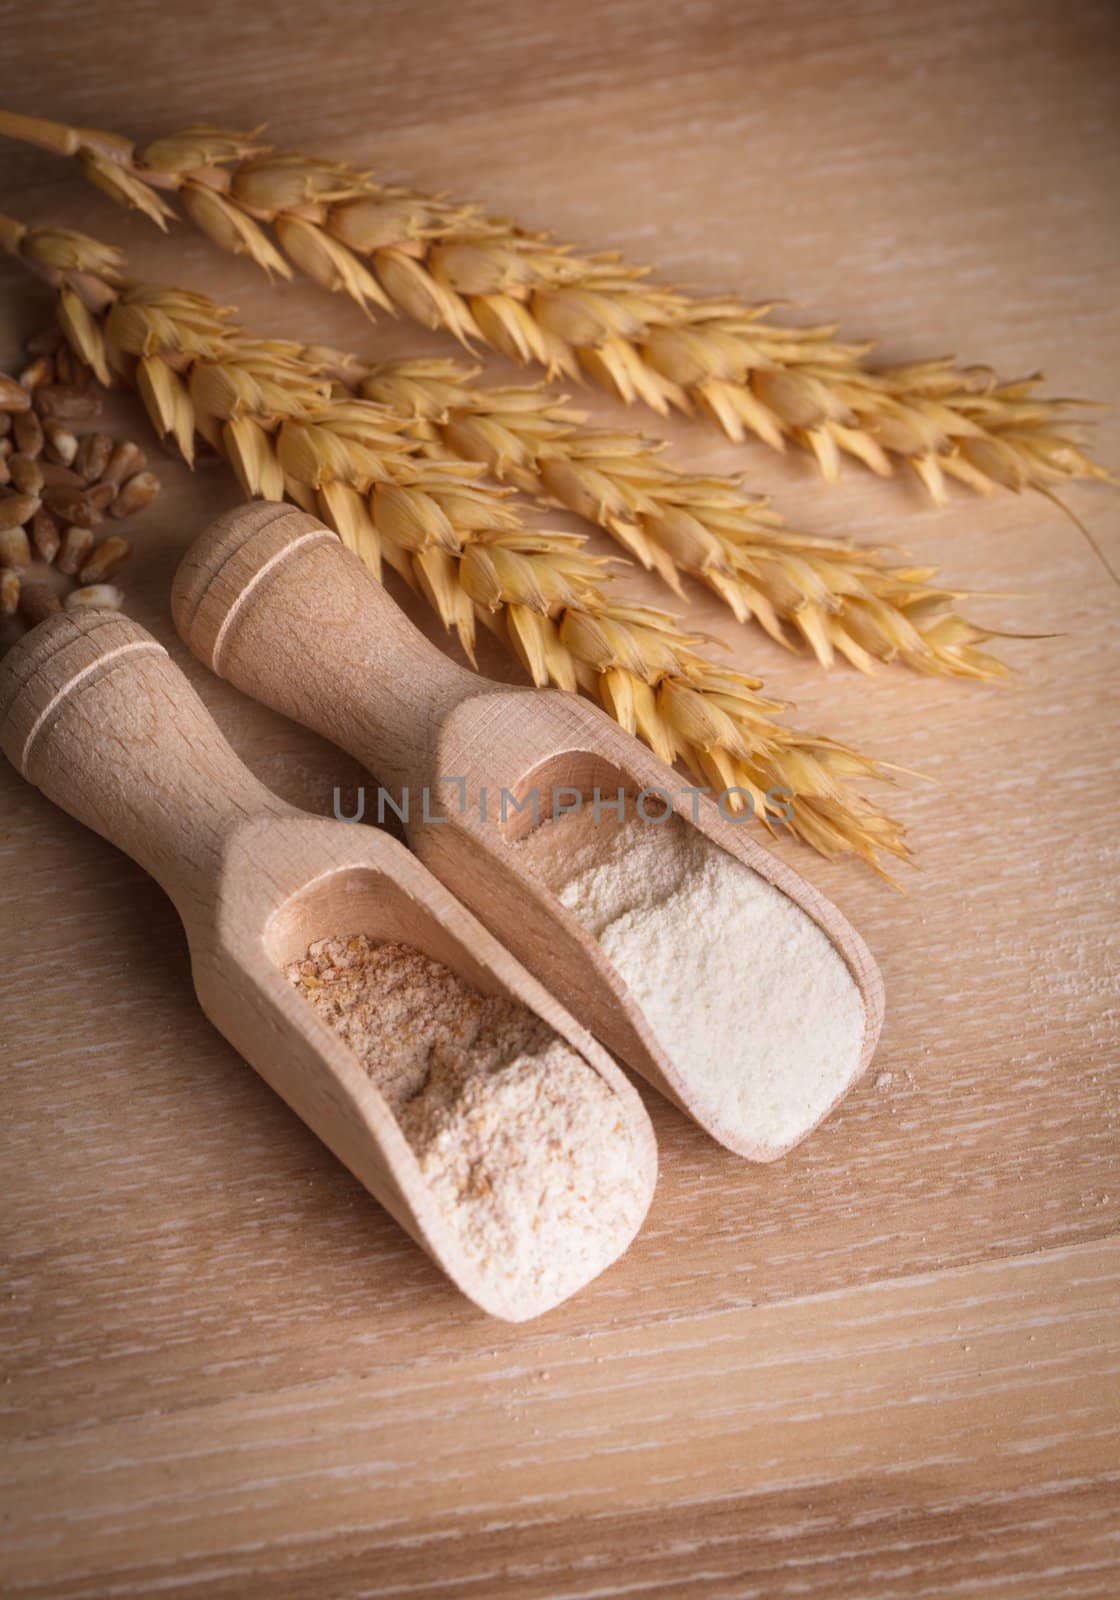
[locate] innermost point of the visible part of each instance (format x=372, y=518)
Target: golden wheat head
x=271, y=412
x=449, y=265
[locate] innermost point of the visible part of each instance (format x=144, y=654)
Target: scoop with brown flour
x=524, y=1148
x=746, y=995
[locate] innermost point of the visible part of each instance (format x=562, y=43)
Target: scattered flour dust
x=749, y=999
x=525, y=1149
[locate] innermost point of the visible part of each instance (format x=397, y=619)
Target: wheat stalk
x=833, y=595
x=270, y=410
x=829, y=593
x=450, y=266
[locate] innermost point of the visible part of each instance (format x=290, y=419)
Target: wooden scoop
x=94, y=713
x=270, y=599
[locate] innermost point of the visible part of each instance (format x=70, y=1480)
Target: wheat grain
x=448, y=265
x=270, y=411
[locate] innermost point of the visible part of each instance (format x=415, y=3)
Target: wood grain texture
x=884, y=1367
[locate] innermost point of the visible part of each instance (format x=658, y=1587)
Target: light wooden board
x=884, y=1367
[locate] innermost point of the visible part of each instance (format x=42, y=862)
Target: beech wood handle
x=95, y=713
x=273, y=601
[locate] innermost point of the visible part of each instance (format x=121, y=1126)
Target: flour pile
x=525, y=1149
x=746, y=995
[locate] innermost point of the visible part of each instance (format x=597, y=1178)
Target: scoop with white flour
x=753, y=1004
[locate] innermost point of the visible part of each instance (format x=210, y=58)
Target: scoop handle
x=94, y=712
x=273, y=601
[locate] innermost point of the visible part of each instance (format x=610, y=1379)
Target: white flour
x=748, y=998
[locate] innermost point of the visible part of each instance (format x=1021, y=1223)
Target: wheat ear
x=835, y=596
x=270, y=411
x=450, y=266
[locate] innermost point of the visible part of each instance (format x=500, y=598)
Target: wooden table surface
x=886, y=1366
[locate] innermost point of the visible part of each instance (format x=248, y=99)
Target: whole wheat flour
x=525, y=1149
x=748, y=998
